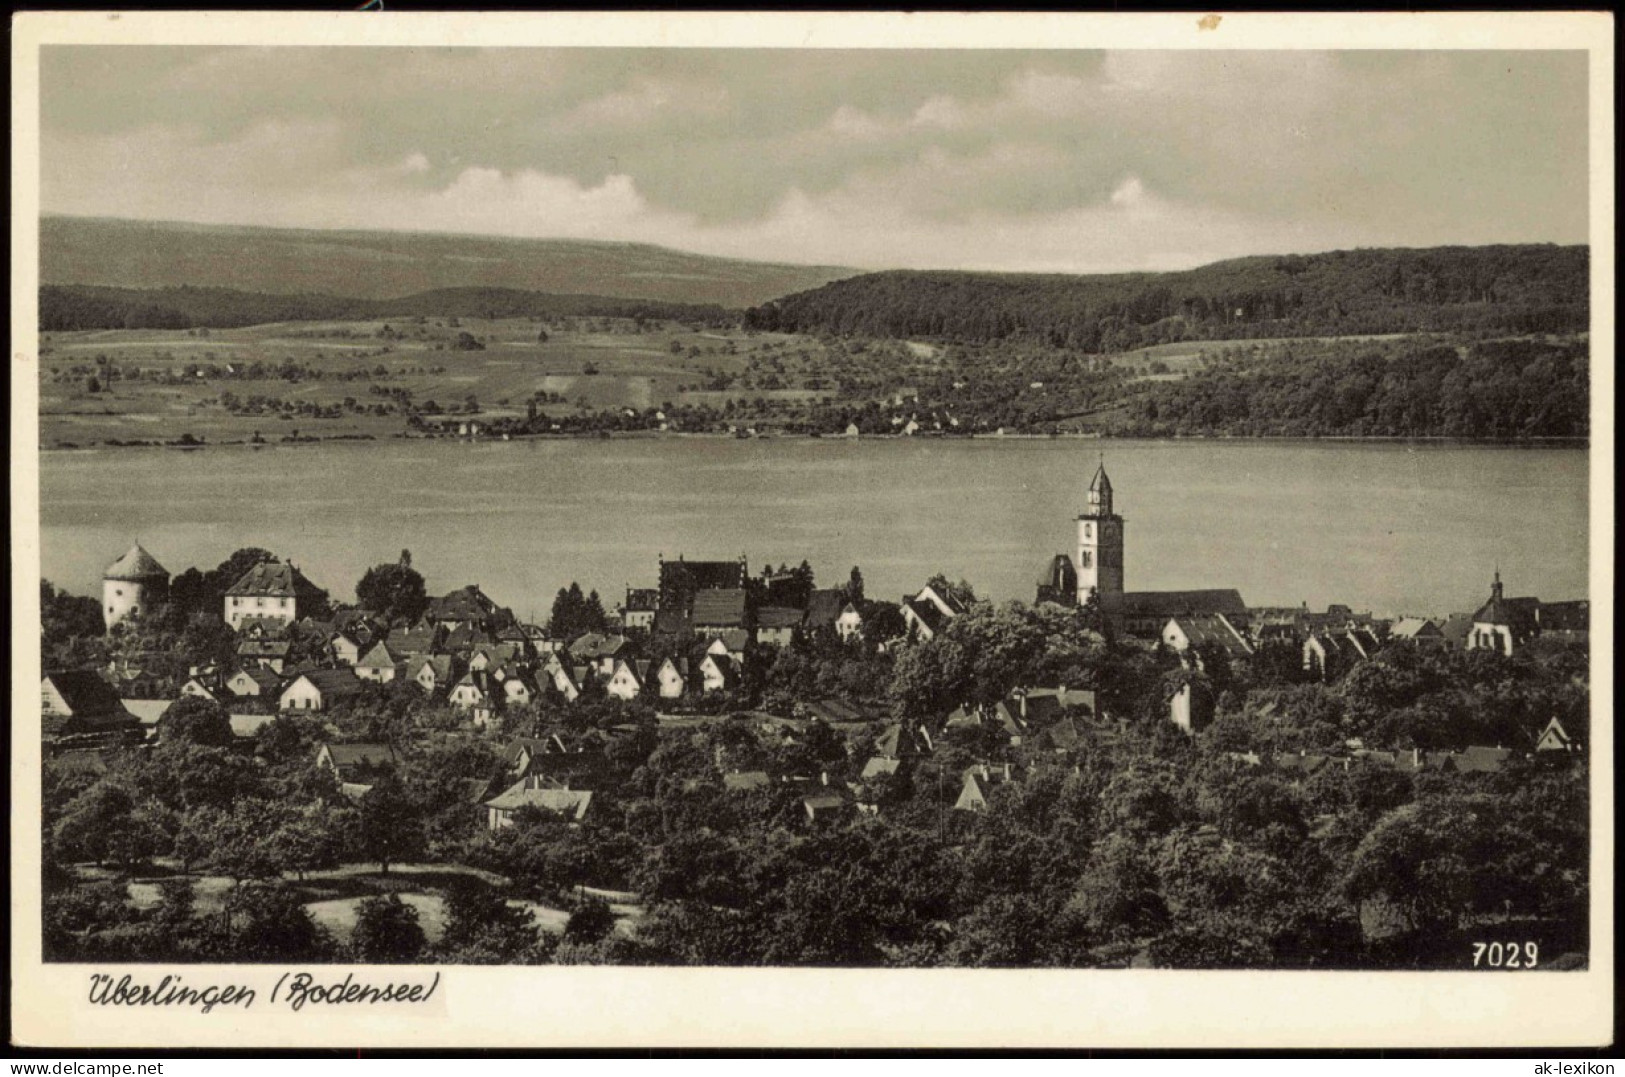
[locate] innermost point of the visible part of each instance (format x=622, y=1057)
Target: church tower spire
x=1100, y=542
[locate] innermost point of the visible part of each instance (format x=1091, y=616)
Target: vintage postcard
x=862, y=530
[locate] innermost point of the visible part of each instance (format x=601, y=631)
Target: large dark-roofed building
x=681, y=579
x=78, y=702
x=719, y=609
x=270, y=591
x=1144, y=613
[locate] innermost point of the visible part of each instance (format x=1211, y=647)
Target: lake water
x=1392, y=528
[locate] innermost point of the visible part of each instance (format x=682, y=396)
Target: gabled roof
x=599, y=645
x=671, y=622
x=246, y=726
x=724, y=667
x=331, y=683
x=746, y=780
x=465, y=637
x=831, y=709
x=263, y=627
x=85, y=693
x=367, y=754
x=357, y=624
x=147, y=711
x=378, y=656
x=1554, y=736
x=719, y=608
x=899, y=740
x=273, y=579
x=1414, y=628
x=878, y=765
x=1212, y=629
x=927, y=613
x=308, y=627
x=1515, y=613
x=825, y=800
x=261, y=676
x=1061, y=735
x=137, y=566
x=414, y=639
x=531, y=791
x=464, y=604
x=443, y=667
x=778, y=617
x=944, y=600
x=519, y=681
x=734, y=639
x=824, y=607
x=264, y=648
x=1457, y=627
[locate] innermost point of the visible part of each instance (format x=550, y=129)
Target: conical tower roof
x=138, y=564
x=1101, y=482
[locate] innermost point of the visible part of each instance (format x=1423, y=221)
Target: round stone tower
x=132, y=583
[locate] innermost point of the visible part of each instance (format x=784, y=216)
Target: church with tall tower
x=1100, y=543
x=1096, y=572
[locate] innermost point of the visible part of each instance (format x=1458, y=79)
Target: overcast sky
x=1056, y=161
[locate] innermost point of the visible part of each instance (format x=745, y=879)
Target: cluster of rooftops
x=689, y=634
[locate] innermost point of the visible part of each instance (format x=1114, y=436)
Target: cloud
x=645, y=101
x=1129, y=193
x=988, y=159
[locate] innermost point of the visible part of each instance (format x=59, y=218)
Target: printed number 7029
x=1506, y=955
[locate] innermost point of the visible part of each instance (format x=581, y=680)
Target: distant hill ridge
x=383, y=265
x=65, y=308
x=1520, y=289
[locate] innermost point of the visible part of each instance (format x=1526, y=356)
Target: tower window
x=1088, y=530
x=1085, y=559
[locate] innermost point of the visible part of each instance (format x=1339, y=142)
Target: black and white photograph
x=1108, y=511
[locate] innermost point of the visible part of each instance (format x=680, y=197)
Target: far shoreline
x=654, y=435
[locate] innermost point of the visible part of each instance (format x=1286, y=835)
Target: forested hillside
x=1521, y=289
x=67, y=308
x=1501, y=389
x=380, y=265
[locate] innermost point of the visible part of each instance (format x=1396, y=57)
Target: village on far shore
x=687, y=647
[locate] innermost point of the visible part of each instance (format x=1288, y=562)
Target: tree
x=98, y=826
x=575, y=614
x=541, y=336
x=241, y=845
x=64, y=617
x=387, y=932
x=196, y=720
x=390, y=827
x=311, y=837
x=482, y=928
x=1116, y=897
x=394, y=592
x=590, y=922
x=269, y=923
x=1005, y=931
